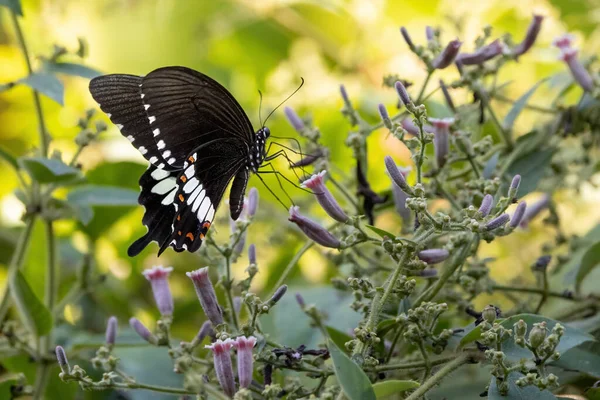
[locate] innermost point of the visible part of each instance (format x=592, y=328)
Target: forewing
x=186, y=109
x=119, y=96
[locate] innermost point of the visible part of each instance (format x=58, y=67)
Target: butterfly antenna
x=260, y=107
x=286, y=99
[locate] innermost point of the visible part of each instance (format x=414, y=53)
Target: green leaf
x=13, y=5
x=47, y=84
x=590, y=260
x=388, y=388
x=572, y=337
x=592, y=393
x=96, y=195
x=584, y=358
x=517, y=393
x=36, y=316
x=519, y=105
x=71, y=69
x=352, y=379
x=49, y=170
x=338, y=337
x=8, y=381
x=9, y=158
x=532, y=168
x=381, y=232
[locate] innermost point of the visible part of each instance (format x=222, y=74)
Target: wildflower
x=482, y=55
x=324, y=197
x=308, y=159
x=441, y=138
x=222, y=363
x=518, y=215
x=514, y=186
x=409, y=126
x=345, y=97
x=142, y=331
x=580, y=74
x=530, y=37
x=564, y=42
x=252, y=202
x=205, y=330
x=63, y=363
x=158, y=277
x=407, y=39
x=385, y=117
x=244, y=359
x=400, y=196
x=533, y=210
x=497, y=222
x=433, y=256
x=111, y=331
x=279, y=293
x=313, y=230
x=486, y=205
x=447, y=56
x=206, y=295
x=252, y=254
x=294, y=119
x=396, y=175
x=447, y=96
x=402, y=93
x=300, y=300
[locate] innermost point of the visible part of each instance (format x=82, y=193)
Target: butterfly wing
x=206, y=174
x=187, y=109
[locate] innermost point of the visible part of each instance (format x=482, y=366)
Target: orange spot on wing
x=191, y=159
x=178, y=217
x=183, y=178
x=206, y=225
x=179, y=233
x=181, y=198
x=190, y=236
x=201, y=236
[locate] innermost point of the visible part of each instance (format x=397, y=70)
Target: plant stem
x=453, y=365
x=560, y=295
x=545, y=291
x=16, y=262
x=346, y=194
x=506, y=136
x=413, y=365
x=36, y=96
x=422, y=91
x=291, y=265
x=234, y=319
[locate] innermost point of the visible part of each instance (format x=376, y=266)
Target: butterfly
x=196, y=138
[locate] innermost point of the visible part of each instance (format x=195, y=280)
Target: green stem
x=36, y=96
x=413, y=365
x=234, y=319
x=291, y=265
x=459, y=361
x=545, y=291
x=506, y=137
x=427, y=78
x=15, y=263
x=343, y=190
x=520, y=289
x=425, y=360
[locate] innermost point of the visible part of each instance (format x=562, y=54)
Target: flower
x=407, y=39
x=111, y=331
x=252, y=254
x=158, y=277
x=222, y=363
x=441, y=138
x=313, y=230
x=205, y=330
x=324, y=197
x=564, y=42
x=244, y=359
x=486, y=205
x=482, y=55
x=518, y=215
x=409, y=126
x=345, y=97
x=142, y=331
x=308, y=159
x=63, y=362
x=294, y=119
x=206, y=295
x=533, y=210
x=514, y=186
x=580, y=74
x=385, y=117
x=530, y=37
x=433, y=256
x=402, y=93
x=447, y=96
x=447, y=56
x=279, y=293
x=497, y=222
x=429, y=33
x=397, y=176
x=252, y=202
x=400, y=196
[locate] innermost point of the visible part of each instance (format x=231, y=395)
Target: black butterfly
x=196, y=137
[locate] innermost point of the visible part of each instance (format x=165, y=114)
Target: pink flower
x=206, y=295
x=313, y=230
x=324, y=197
x=580, y=74
x=223, y=367
x=564, y=42
x=244, y=359
x=158, y=277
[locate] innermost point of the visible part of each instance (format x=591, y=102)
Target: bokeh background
x=250, y=45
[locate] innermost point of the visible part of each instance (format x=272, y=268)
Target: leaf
x=8, y=381
x=584, y=358
x=490, y=166
x=572, y=337
x=532, y=168
x=590, y=260
x=47, y=84
x=338, y=337
x=517, y=393
x=388, y=388
x=519, y=105
x=97, y=195
x=380, y=232
x=9, y=158
x=71, y=69
x=36, y=316
x=49, y=170
x=352, y=379
x=13, y=5
x=593, y=393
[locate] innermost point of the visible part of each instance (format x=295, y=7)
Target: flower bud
x=433, y=256
x=489, y=314
x=294, y=119
x=63, y=362
x=447, y=96
x=520, y=328
x=142, y=331
x=206, y=295
x=252, y=202
x=396, y=175
x=514, y=186
x=400, y=197
x=580, y=74
x=537, y=335
x=530, y=37
x=402, y=93
x=385, y=117
x=222, y=364
x=278, y=294
x=345, y=97
x=300, y=300
x=497, y=222
x=407, y=39
x=447, y=56
x=518, y=215
x=205, y=330
x=541, y=264
x=486, y=205
x=313, y=230
x=308, y=159
x=482, y=55
x=324, y=197
x=111, y=331
x=244, y=356
x=158, y=277
x=252, y=254
x=533, y=210
x=429, y=33
x=441, y=138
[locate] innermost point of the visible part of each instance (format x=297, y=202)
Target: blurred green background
x=250, y=45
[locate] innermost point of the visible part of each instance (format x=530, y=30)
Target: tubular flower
x=497, y=222
x=397, y=176
x=518, y=215
x=158, y=277
x=206, y=295
x=486, y=205
x=313, y=230
x=433, y=256
x=223, y=366
x=244, y=347
x=142, y=331
x=324, y=197
x=294, y=119
x=447, y=56
x=402, y=93
x=530, y=37
x=111, y=331
x=482, y=55
x=533, y=210
x=441, y=138
x=400, y=196
x=580, y=74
